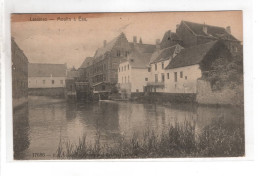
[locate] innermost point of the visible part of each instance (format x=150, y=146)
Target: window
x=162, y=65
x=119, y=69
x=52, y=81
x=149, y=69
x=61, y=81
x=146, y=79
x=128, y=66
x=181, y=74
x=137, y=90
x=122, y=79
x=155, y=65
x=43, y=81
x=162, y=77
x=186, y=77
x=118, y=53
x=156, y=77
x=168, y=75
x=128, y=79
x=175, y=76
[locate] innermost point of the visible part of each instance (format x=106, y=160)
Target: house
x=192, y=34
x=19, y=75
x=106, y=61
x=46, y=75
x=133, y=73
x=193, y=63
x=158, y=62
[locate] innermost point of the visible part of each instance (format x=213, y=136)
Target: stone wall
x=205, y=95
x=53, y=92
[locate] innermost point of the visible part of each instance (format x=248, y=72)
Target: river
x=41, y=124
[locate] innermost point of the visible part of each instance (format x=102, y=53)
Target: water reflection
x=40, y=126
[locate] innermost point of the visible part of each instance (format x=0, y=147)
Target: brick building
x=192, y=34
x=19, y=75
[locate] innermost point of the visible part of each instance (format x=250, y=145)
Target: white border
x=200, y=167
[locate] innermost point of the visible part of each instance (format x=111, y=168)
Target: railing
x=155, y=84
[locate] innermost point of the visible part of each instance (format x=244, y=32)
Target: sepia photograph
x=89, y=86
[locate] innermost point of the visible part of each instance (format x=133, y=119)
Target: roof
x=46, y=70
x=144, y=48
x=212, y=31
x=139, y=60
x=109, y=46
x=72, y=73
x=87, y=62
x=191, y=56
x=163, y=54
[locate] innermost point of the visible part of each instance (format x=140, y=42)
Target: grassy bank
x=179, y=140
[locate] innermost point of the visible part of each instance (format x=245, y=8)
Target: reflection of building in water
x=21, y=130
x=19, y=75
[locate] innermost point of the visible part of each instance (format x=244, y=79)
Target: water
x=43, y=122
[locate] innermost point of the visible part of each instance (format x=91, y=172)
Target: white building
x=191, y=64
x=46, y=75
x=158, y=62
x=133, y=73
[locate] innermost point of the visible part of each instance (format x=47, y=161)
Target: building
x=46, y=75
x=19, y=75
x=107, y=59
x=193, y=63
x=86, y=70
x=70, y=83
x=47, y=79
x=158, y=62
x=133, y=73
x=192, y=34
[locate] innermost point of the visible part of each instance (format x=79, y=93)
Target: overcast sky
x=71, y=42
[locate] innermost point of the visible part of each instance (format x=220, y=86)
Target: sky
x=58, y=40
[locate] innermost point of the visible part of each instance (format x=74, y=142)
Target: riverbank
x=177, y=141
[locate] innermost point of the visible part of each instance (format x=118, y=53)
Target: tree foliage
x=225, y=73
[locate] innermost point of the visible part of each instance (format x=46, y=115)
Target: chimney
x=228, y=29
x=105, y=43
x=157, y=42
x=205, y=29
x=140, y=41
x=134, y=39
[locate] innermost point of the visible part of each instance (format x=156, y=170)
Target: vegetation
x=178, y=140
x=226, y=74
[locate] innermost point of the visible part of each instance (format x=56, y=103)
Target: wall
x=38, y=82
x=226, y=96
x=159, y=71
x=138, y=79
x=53, y=92
x=186, y=84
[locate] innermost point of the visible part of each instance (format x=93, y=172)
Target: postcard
x=127, y=85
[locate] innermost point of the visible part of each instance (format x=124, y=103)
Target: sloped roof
x=72, y=73
x=163, y=54
x=212, y=31
x=139, y=60
x=46, y=70
x=143, y=48
x=191, y=56
x=109, y=46
x=87, y=62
